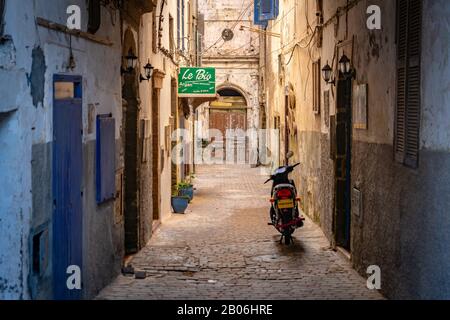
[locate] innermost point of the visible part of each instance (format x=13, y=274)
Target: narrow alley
x=222, y=248
x=113, y=112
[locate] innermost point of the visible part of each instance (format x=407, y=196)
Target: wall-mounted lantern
x=148, y=71
x=131, y=61
x=345, y=67
x=327, y=74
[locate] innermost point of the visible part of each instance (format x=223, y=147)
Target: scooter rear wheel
x=287, y=240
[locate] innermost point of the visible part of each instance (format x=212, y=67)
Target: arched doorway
x=130, y=116
x=229, y=112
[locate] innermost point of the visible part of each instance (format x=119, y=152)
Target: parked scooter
x=284, y=213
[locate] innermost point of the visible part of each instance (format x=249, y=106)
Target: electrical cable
x=243, y=11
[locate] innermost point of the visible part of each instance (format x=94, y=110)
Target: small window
x=37, y=253
x=40, y=252
x=316, y=86
x=64, y=90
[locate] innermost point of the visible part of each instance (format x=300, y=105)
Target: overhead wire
x=304, y=43
x=232, y=27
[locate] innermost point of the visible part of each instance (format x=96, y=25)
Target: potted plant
x=179, y=202
x=186, y=189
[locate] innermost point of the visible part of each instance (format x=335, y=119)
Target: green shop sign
x=197, y=82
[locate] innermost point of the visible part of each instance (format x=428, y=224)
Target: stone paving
x=222, y=248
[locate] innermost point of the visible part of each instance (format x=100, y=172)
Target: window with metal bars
x=407, y=124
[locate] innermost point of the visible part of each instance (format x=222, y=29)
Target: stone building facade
x=373, y=147
x=231, y=45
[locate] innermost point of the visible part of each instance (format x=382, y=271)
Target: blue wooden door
x=67, y=173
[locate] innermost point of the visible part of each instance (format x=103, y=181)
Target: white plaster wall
x=33, y=125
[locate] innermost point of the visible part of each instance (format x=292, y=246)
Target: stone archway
x=229, y=112
x=234, y=87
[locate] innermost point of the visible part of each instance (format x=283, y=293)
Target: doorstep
x=155, y=225
x=346, y=254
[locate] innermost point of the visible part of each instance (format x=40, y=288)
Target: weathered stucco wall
x=403, y=225
x=14, y=212
x=28, y=133
x=435, y=130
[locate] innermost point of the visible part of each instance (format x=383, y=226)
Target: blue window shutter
x=257, y=13
x=105, y=158
x=268, y=10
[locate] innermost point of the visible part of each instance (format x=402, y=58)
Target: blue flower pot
x=188, y=192
x=180, y=204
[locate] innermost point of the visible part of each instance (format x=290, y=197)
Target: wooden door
x=225, y=120
x=66, y=182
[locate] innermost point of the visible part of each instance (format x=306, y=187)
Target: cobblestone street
x=222, y=248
